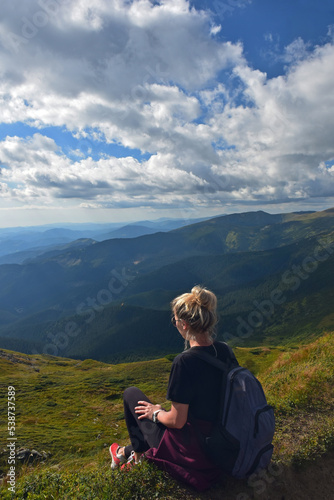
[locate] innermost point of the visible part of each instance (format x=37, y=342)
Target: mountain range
x=109, y=300
x=21, y=243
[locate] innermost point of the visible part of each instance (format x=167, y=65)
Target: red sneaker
x=116, y=458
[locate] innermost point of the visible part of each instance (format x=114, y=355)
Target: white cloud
x=215, y=29
x=147, y=76
x=36, y=172
x=296, y=51
x=128, y=70
x=111, y=50
x=285, y=132
x=330, y=32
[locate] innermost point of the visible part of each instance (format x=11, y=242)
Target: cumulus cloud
x=284, y=133
x=112, y=50
x=36, y=171
x=147, y=76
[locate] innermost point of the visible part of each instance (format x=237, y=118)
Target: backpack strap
x=222, y=365
x=231, y=353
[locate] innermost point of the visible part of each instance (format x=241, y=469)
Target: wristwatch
x=155, y=416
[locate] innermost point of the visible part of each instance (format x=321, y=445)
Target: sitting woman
x=171, y=439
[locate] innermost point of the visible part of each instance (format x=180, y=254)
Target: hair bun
x=198, y=309
x=204, y=298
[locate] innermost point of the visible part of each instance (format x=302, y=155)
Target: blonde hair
x=198, y=309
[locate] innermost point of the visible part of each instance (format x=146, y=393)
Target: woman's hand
x=146, y=410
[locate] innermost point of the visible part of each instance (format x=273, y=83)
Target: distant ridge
x=116, y=289
x=130, y=231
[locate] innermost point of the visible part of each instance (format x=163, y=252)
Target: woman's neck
x=200, y=342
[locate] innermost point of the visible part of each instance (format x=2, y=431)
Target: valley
x=109, y=300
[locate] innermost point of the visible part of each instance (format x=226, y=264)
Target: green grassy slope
x=73, y=409
x=68, y=406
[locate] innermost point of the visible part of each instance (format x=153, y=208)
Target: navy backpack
x=241, y=440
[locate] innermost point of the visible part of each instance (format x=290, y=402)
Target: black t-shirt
x=195, y=382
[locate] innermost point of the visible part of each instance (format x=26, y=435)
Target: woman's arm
x=175, y=418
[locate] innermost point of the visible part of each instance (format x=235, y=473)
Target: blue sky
x=127, y=110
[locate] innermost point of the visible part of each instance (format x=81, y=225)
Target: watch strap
x=154, y=416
